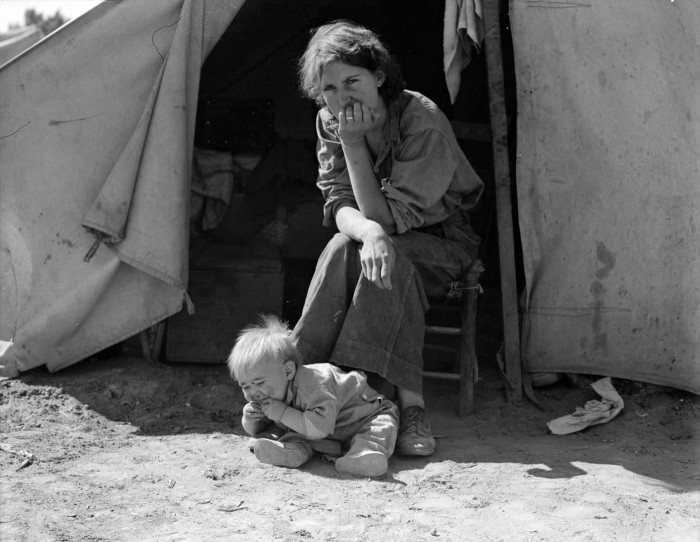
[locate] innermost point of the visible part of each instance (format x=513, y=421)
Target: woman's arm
x=373, y=223
x=354, y=123
x=377, y=254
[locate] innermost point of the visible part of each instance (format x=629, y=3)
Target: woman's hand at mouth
x=354, y=122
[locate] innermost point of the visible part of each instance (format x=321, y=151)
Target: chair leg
x=468, y=363
x=467, y=356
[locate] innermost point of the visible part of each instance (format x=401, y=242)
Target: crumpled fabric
x=110, y=124
x=463, y=31
x=212, y=185
x=594, y=412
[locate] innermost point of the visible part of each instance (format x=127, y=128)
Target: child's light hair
x=269, y=340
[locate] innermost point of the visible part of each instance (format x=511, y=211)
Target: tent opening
x=256, y=213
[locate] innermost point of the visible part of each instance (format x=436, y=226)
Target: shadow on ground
x=654, y=436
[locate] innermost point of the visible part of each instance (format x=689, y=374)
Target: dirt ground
x=126, y=449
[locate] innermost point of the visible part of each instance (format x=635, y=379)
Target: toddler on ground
x=310, y=403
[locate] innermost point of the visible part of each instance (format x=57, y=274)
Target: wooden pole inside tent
x=504, y=217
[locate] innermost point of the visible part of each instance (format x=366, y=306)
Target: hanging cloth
x=463, y=33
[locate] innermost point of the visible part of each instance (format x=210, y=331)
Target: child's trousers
x=377, y=433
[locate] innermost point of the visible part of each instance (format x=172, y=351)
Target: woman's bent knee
x=339, y=252
x=340, y=244
x=340, y=239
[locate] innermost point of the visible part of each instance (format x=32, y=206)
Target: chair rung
x=443, y=330
x=441, y=348
x=441, y=376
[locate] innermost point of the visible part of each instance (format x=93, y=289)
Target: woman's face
x=343, y=85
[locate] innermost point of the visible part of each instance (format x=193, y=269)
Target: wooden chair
x=496, y=133
x=461, y=300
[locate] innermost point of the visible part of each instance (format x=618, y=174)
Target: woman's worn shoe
x=282, y=454
x=415, y=437
x=363, y=463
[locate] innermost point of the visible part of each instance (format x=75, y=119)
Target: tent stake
x=506, y=243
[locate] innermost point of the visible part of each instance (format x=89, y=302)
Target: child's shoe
x=282, y=454
x=363, y=463
x=273, y=434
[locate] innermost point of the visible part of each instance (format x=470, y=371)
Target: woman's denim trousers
x=350, y=322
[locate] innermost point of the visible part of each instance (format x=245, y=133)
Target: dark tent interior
x=262, y=248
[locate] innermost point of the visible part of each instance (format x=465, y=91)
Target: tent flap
x=608, y=191
x=98, y=122
x=14, y=42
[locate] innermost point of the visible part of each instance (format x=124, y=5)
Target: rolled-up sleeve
x=423, y=170
x=333, y=176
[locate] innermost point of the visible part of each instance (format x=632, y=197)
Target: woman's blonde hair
x=270, y=339
x=350, y=43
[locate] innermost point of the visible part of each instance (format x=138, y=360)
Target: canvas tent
x=609, y=187
x=97, y=132
x=14, y=42
x=98, y=122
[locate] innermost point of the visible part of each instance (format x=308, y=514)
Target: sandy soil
x=125, y=449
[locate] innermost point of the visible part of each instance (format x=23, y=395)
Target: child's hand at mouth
x=254, y=410
x=273, y=409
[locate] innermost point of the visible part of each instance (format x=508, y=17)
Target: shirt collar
x=391, y=128
x=390, y=144
x=290, y=388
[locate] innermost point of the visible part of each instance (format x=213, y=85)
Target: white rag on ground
x=463, y=30
x=593, y=412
